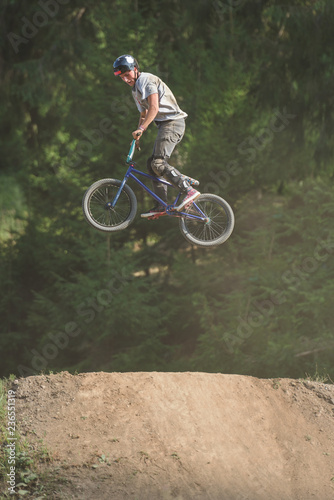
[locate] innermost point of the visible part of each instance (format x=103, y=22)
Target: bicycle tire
x=96, y=205
x=216, y=229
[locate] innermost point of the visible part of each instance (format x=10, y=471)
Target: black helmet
x=124, y=63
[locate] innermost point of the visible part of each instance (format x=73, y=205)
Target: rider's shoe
x=190, y=180
x=155, y=212
x=190, y=197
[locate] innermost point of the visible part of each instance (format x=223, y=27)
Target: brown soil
x=184, y=436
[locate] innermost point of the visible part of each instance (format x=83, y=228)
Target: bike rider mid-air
x=156, y=102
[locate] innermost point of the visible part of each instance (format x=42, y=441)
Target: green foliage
x=27, y=458
x=256, y=81
x=276, y=319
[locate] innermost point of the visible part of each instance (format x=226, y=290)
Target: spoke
x=102, y=213
x=204, y=230
x=99, y=195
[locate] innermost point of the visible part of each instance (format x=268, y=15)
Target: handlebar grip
x=132, y=149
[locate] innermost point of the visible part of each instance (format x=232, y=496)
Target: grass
x=276, y=383
x=30, y=482
x=317, y=377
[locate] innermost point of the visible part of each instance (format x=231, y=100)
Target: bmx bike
x=111, y=205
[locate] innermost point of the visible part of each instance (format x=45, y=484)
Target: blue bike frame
x=170, y=209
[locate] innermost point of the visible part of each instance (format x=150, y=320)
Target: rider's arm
x=147, y=116
x=142, y=117
x=153, y=108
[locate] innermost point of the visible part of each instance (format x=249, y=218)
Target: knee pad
x=158, y=166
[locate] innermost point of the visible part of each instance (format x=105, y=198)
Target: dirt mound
x=184, y=436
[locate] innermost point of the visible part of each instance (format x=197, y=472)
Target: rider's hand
x=137, y=134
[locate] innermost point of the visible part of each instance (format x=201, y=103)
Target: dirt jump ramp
x=183, y=436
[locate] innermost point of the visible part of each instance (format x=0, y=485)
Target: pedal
x=156, y=216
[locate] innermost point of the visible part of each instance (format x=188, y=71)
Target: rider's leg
x=162, y=169
x=159, y=188
x=170, y=133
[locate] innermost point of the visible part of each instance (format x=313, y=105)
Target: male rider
x=156, y=102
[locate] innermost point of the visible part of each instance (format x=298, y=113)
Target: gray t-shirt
x=148, y=84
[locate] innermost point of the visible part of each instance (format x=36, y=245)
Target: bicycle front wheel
x=100, y=210
x=209, y=221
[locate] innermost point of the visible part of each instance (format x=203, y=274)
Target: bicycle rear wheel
x=98, y=210
x=210, y=221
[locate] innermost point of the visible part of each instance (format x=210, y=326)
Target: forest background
x=256, y=78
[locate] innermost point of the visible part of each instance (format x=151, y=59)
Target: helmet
x=124, y=63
